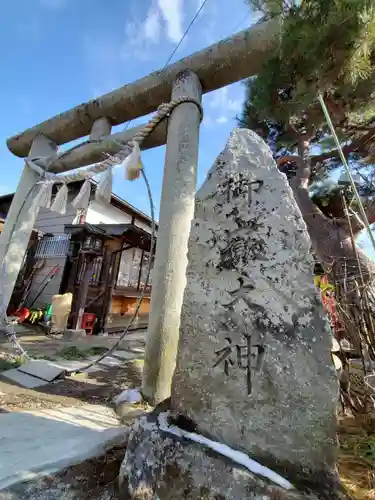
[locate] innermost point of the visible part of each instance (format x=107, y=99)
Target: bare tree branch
x=370, y=212
x=312, y=215
x=356, y=224
x=359, y=144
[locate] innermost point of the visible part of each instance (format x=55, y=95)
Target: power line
x=186, y=32
x=241, y=22
x=179, y=44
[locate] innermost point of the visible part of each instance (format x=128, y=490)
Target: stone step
x=126, y=355
x=43, y=369
x=23, y=379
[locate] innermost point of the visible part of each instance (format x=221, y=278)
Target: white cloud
x=221, y=120
x=163, y=20
x=211, y=26
x=221, y=100
x=172, y=12
x=151, y=26
x=222, y=105
x=137, y=44
x=141, y=36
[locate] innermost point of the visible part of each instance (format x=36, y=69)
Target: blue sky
x=56, y=54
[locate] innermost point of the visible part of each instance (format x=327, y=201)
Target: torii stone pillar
x=20, y=220
x=176, y=214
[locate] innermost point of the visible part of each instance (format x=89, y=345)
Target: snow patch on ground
x=128, y=396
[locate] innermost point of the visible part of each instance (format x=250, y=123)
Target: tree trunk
x=353, y=275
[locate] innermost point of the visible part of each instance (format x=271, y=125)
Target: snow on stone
x=237, y=456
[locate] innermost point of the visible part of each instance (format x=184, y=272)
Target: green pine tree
x=327, y=47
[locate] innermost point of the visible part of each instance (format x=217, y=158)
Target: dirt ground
x=99, y=387
x=96, y=479
x=39, y=345
x=95, y=388
x=356, y=461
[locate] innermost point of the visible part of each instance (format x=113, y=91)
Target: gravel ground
x=96, y=388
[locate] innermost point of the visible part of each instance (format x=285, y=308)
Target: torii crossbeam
x=226, y=62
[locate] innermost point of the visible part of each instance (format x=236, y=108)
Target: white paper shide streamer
x=60, y=201
x=133, y=163
x=81, y=201
x=43, y=198
x=104, y=188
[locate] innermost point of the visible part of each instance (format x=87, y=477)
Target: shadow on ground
x=99, y=387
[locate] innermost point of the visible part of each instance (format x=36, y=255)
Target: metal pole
x=176, y=214
x=348, y=172
x=83, y=290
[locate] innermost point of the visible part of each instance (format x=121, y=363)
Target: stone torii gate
x=231, y=60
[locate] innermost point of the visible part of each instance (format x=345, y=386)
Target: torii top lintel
x=226, y=62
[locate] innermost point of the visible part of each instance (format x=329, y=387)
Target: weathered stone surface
x=23, y=379
x=254, y=368
x=157, y=465
x=42, y=369
x=70, y=334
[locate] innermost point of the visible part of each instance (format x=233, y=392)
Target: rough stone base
x=159, y=466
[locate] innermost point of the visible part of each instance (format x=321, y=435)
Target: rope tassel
x=81, y=201
x=104, y=189
x=60, y=201
x=133, y=163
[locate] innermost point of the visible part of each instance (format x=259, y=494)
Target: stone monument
x=254, y=370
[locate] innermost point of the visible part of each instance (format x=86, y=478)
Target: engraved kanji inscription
x=237, y=185
x=247, y=356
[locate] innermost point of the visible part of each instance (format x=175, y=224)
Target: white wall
x=54, y=223
x=104, y=213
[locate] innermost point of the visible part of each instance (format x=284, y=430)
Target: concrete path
x=38, y=443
